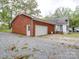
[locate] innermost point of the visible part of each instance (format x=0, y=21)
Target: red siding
x=19, y=25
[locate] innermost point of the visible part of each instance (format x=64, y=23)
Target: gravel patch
x=13, y=46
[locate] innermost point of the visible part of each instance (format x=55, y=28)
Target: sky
x=49, y=6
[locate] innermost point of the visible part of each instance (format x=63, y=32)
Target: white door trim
x=28, y=30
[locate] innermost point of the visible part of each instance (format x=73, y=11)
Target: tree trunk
x=73, y=28
x=9, y=25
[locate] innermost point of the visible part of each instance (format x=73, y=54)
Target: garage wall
x=51, y=28
x=19, y=24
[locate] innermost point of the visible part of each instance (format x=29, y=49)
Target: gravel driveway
x=13, y=46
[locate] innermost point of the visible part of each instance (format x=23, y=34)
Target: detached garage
x=31, y=26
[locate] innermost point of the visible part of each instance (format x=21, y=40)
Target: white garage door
x=41, y=30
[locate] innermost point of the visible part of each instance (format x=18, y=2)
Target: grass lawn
x=5, y=30
x=72, y=35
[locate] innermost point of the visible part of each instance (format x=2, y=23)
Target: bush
x=4, y=28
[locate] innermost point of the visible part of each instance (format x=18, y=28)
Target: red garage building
x=24, y=24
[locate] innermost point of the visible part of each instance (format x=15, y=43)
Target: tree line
x=66, y=12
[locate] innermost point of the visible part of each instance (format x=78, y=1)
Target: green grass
x=5, y=30
x=72, y=35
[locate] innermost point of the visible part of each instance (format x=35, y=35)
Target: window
x=61, y=28
x=28, y=27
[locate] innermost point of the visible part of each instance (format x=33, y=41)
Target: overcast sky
x=49, y=6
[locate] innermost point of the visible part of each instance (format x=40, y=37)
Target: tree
x=28, y=6
x=5, y=16
x=59, y=13
x=62, y=12
x=11, y=8
x=74, y=20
